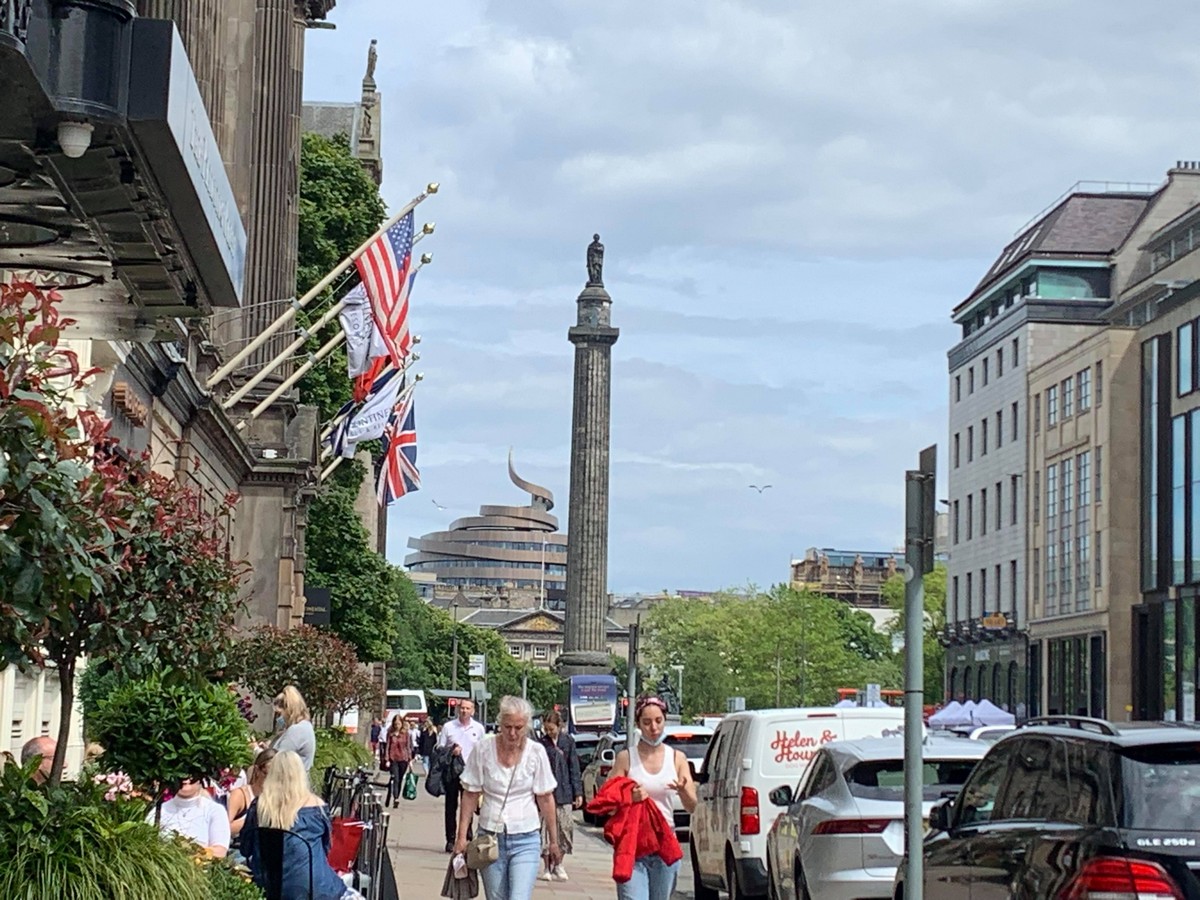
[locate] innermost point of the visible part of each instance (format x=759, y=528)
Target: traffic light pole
x=920, y=513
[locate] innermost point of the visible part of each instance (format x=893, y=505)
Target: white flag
x=363, y=339
x=370, y=421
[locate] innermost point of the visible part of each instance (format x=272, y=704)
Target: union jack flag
x=398, y=474
x=387, y=274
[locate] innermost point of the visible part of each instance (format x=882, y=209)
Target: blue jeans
x=512, y=875
x=652, y=879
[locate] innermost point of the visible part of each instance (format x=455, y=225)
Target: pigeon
x=435, y=503
x=760, y=489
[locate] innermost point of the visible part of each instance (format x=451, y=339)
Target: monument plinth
x=584, y=648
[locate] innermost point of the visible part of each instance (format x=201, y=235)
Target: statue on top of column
x=595, y=262
x=372, y=56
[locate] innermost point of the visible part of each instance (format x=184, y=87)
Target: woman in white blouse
x=510, y=765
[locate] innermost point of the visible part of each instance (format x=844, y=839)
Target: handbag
x=410, y=785
x=483, y=849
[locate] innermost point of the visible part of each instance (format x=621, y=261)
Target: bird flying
x=760, y=489
x=435, y=503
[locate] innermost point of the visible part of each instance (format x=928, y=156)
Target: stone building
x=536, y=636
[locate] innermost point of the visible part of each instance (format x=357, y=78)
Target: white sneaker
x=560, y=873
x=548, y=875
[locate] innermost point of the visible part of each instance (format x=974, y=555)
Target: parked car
x=596, y=771
x=751, y=754
x=692, y=741
x=1072, y=807
x=842, y=834
x=585, y=746
x=990, y=733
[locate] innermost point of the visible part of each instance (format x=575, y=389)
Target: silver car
x=842, y=835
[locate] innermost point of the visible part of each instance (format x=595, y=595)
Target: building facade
x=536, y=636
x=852, y=576
x=1047, y=291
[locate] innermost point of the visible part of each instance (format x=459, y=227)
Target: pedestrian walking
x=294, y=726
x=511, y=774
x=376, y=732
x=568, y=794
x=427, y=743
x=658, y=772
x=286, y=803
x=399, y=755
x=459, y=737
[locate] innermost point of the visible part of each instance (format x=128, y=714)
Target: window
x=956, y=521
x=1012, y=499
x=983, y=517
x=540, y=651
x=971, y=380
x=1037, y=767
x=1099, y=481
x=998, y=586
x=983, y=592
x=970, y=517
x=999, y=427
x=1083, y=384
x=516, y=650
x=969, y=595
x=1068, y=398
x=1185, y=359
x=1099, y=383
x=1012, y=586
x=1013, y=417
x=957, y=448
x=1037, y=413
x=1051, y=406
x=954, y=598
x=1015, y=358
x=985, y=372
x=1099, y=569
x=983, y=441
x=977, y=799
x=999, y=506
x=970, y=442
x=957, y=388
x=1037, y=497
x=999, y=362
x=1083, y=476
x=1051, y=493
x=1037, y=574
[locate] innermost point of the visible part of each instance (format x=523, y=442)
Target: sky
x=792, y=197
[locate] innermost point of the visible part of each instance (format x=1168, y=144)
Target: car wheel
x=699, y=891
x=801, y=885
x=731, y=879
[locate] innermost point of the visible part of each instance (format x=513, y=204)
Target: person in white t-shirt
x=460, y=735
x=196, y=816
x=513, y=776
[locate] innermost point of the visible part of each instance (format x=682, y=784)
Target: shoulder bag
x=483, y=849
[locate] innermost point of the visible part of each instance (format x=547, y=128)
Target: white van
x=752, y=754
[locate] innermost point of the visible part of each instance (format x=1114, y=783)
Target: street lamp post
x=678, y=667
x=454, y=651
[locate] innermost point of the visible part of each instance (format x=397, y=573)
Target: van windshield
x=1161, y=787
x=883, y=779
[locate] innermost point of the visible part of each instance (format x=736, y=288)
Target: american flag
x=398, y=475
x=387, y=273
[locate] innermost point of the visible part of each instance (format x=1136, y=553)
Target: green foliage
x=67, y=842
x=340, y=208
x=165, y=728
x=226, y=883
x=935, y=623
x=336, y=748
x=322, y=666
x=785, y=647
x=99, y=555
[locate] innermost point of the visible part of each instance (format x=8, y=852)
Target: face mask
x=280, y=722
x=654, y=742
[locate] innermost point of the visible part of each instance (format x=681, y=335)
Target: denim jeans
x=652, y=879
x=512, y=875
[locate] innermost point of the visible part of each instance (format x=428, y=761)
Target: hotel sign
x=995, y=622
x=169, y=121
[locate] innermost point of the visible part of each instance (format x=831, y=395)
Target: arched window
x=968, y=684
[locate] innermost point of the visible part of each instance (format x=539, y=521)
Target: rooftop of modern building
x=1088, y=222
x=837, y=557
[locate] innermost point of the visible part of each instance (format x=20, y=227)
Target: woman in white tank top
x=660, y=771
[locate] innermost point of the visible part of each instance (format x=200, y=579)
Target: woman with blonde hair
x=242, y=796
x=287, y=804
x=294, y=726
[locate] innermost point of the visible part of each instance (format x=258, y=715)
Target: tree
x=323, y=667
x=99, y=556
x=935, y=624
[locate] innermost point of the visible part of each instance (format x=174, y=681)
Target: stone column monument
x=587, y=545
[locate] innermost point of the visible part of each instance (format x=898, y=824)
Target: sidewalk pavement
x=417, y=843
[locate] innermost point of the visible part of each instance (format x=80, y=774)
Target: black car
x=1072, y=808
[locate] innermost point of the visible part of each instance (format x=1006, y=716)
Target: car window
x=691, y=745
x=1037, y=782
x=884, y=779
x=822, y=773
x=730, y=763
x=712, y=759
x=977, y=799
x=1160, y=787
x=1091, y=790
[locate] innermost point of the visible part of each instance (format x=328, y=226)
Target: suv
x=1073, y=808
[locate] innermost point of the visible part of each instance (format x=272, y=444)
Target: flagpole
x=286, y=354
x=409, y=360
x=328, y=470
x=337, y=460
x=315, y=291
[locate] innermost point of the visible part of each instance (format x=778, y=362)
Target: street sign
x=477, y=665
x=874, y=695
x=927, y=465
x=479, y=691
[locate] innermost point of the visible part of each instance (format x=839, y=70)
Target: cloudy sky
x=792, y=196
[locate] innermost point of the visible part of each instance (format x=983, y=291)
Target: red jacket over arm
x=634, y=829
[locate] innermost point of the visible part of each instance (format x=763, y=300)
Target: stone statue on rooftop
x=372, y=56
x=595, y=262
